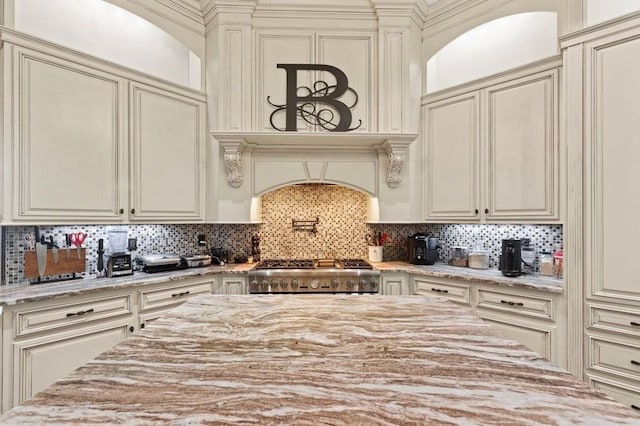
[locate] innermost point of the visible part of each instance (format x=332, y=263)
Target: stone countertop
x=15, y=294
x=488, y=276
x=320, y=359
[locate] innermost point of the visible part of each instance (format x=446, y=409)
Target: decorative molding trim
x=184, y=13
x=604, y=29
x=395, y=163
x=572, y=132
x=443, y=12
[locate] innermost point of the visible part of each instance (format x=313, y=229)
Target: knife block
x=74, y=264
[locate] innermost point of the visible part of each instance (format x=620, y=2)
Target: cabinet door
x=452, y=142
x=353, y=55
x=536, y=337
x=167, y=142
x=68, y=142
x=395, y=285
x=231, y=285
x=275, y=48
x=612, y=115
x=522, y=149
x=40, y=362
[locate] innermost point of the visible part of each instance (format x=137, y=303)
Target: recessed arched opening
x=493, y=47
x=342, y=215
x=109, y=32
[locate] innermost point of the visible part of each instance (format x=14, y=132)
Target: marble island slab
x=320, y=359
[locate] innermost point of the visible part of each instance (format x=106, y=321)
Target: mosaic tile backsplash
x=341, y=231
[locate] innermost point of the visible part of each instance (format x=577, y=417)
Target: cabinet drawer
x=612, y=319
x=538, y=307
x=51, y=318
x=453, y=292
x=614, y=357
x=626, y=395
x=172, y=296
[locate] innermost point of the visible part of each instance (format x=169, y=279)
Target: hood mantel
x=394, y=145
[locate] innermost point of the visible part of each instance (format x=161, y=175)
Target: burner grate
x=355, y=264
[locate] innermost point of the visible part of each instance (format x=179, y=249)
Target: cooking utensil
x=30, y=239
x=77, y=239
x=67, y=239
x=369, y=240
x=41, y=258
x=100, y=266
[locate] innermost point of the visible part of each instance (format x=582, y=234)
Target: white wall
x=112, y=33
x=493, y=47
x=601, y=10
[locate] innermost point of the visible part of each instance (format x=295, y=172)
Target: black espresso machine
x=422, y=249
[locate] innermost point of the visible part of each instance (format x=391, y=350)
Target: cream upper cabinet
x=522, y=148
x=69, y=139
x=352, y=53
x=90, y=144
x=492, y=150
x=452, y=135
x=167, y=134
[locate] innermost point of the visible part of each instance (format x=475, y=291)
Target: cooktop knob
x=335, y=283
x=363, y=282
x=294, y=283
x=284, y=284
x=314, y=283
x=373, y=284
x=265, y=284
x=351, y=283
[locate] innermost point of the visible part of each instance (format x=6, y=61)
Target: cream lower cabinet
x=231, y=284
x=45, y=341
x=395, y=284
x=156, y=300
x=536, y=319
x=502, y=136
x=456, y=291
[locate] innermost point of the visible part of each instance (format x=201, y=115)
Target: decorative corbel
x=396, y=156
x=233, y=162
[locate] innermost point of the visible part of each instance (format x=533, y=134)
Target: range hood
x=393, y=146
x=384, y=166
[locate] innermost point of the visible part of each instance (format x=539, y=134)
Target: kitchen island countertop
x=318, y=359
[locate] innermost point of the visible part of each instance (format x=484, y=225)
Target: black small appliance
x=422, y=249
x=511, y=259
x=219, y=256
x=119, y=264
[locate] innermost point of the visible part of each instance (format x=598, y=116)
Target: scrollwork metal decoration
x=302, y=101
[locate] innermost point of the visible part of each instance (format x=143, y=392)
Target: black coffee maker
x=511, y=259
x=422, y=249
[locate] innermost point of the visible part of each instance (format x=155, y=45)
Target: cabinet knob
x=142, y=325
x=133, y=211
x=486, y=211
x=121, y=211
x=476, y=211
x=131, y=329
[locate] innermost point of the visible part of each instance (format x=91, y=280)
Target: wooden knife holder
x=74, y=264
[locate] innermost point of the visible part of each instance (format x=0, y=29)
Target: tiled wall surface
x=340, y=232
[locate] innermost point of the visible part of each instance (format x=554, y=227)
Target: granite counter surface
x=487, y=276
x=320, y=359
x=15, y=294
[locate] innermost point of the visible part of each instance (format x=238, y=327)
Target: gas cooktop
x=313, y=276
x=313, y=264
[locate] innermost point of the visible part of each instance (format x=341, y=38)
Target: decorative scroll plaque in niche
x=338, y=118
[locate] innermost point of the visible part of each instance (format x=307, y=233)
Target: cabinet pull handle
x=79, y=313
x=635, y=407
x=184, y=293
x=438, y=290
x=510, y=303
x=634, y=362
x=142, y=325
x=133, y=211
x=131, y=329
x=476, y=211
x=486, y=211
x=121, y=211
x=635, y=324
